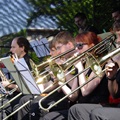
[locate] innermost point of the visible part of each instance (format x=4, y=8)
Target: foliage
x=62, y=12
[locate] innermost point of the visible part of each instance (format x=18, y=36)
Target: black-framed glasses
x=80, y=45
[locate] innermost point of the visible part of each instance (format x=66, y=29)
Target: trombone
x=106, y=44
x=96, y=57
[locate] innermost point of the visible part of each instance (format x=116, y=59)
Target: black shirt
x=99, y=95
x=118, y=81
x=27, y=59
x=91, y=29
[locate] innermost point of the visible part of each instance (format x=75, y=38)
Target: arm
x=89, y=87
x=73, y=84
x=111, y=72
x=50, y=85
x=7, y=84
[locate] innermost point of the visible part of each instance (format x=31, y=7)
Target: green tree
x=62, y=12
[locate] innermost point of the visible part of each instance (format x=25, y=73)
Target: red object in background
x=2, y=65
x=114, y=100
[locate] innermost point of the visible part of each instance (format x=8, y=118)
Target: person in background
x=116, y=14
x=91, y=92
x=116, y=28
x=81, y=21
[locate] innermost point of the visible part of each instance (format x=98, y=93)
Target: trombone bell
x=96, y=63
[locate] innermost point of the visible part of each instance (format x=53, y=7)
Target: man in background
x=116, y=14
x=81, y=21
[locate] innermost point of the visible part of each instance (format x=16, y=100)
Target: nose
x=11, y=49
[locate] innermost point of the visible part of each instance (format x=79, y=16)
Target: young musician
x=98, y=111
x=91, y=92
x=33, y=110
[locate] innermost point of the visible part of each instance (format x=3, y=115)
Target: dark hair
x=116, y=25
x=22, y=41
x=116, y=9
x=81, y=15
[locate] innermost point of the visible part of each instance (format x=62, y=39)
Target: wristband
x=112, y=79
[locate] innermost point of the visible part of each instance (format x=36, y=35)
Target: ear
x=23, y=48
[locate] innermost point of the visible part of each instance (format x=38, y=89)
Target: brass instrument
x=44, y=76
x=3, y=78
x=97, y=63
x=95, y=59
x=58, y=70
x=40, y=69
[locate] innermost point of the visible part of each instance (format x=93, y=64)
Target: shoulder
x=92, y=29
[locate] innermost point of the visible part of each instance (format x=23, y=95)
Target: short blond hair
x=64, y=37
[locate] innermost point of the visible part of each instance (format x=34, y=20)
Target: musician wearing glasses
x=33, y=108
x=89, y=93
x=99, y=111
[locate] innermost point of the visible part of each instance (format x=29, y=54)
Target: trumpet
x=95, y=57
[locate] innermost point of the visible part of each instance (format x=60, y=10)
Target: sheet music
x=27, y=76
x=41, y=47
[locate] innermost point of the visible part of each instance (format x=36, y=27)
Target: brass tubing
x=47, y=109
x=25, y=104
x=45, y=64
x=74, y=59
x=1, y=107
x=69, y=62
x=52, y=105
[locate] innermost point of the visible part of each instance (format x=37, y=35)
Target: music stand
x=41, y=47
x=22, y=75
x=26, y=74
